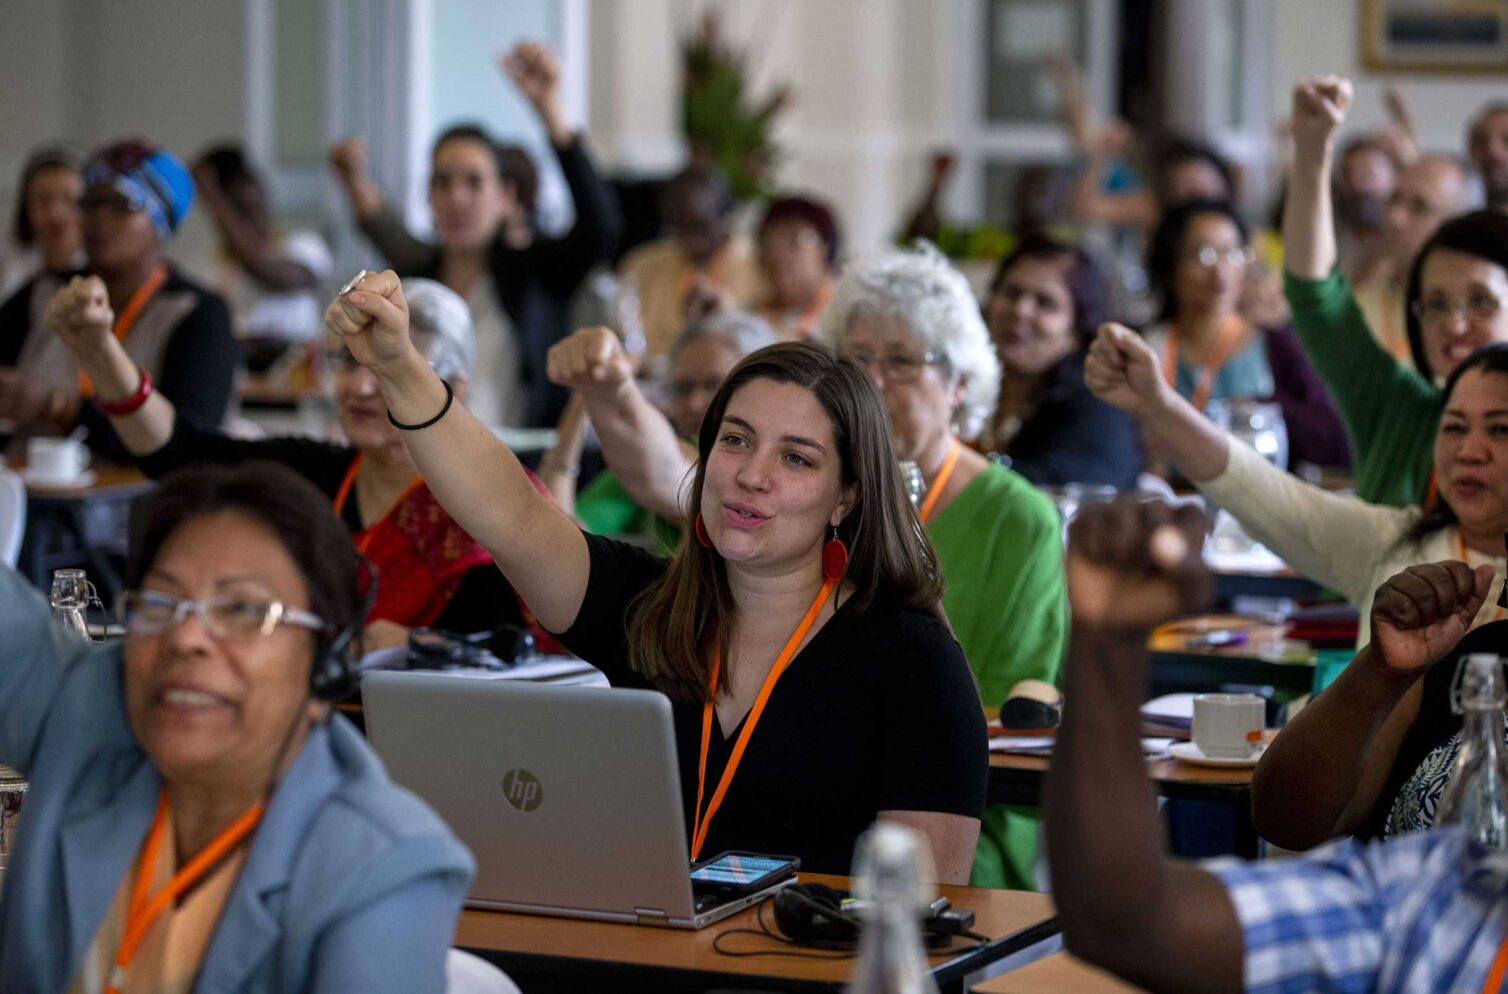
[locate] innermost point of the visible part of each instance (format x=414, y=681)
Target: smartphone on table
x=734, y=874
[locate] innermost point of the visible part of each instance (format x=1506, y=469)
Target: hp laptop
x=569, y=797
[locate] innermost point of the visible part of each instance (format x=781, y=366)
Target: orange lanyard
x=935, y=491
x=702, y=821
x=1494, y=984
x=1497, y=614
x=126, y=320
x=345, y=491
x=1230, y=334
x=144, y=911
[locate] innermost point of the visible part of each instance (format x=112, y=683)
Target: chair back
x=12, y=516
x=468, y=974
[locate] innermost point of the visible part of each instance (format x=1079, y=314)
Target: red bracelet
x=132, y=403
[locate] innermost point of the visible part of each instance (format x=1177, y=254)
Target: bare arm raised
x=638, y=442
x=1320, y=104
x=476, y=477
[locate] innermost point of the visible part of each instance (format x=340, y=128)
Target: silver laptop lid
x=569, y=797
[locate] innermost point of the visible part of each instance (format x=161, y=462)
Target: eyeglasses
x=1209, y=256
x=225, y=616
x=111, y=200
x=1478, y=306
x=897, y=367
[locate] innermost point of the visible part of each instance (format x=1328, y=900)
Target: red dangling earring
x=834, y=558
x=700, y=529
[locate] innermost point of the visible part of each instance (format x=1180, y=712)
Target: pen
x=1218, y=638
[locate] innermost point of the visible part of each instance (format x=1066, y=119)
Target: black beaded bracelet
x=450, y=395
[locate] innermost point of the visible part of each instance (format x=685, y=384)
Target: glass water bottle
x=1476, y=796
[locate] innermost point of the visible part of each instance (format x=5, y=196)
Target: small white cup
x=56, y=460
x=1229, y=726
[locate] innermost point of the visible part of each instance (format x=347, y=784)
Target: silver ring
x=356, y=281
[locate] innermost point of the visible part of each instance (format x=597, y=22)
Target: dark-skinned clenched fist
x=1419, y=615
x=1135, y=564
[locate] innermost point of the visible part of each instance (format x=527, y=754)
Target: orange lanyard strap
x=126, y=320
x=144, y=911
x=1494, y=984
x=935, y=491
x=701, y=821
x=1230, y=334
x=349, y=481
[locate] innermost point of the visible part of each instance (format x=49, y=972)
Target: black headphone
x=333, y=676
x=813, y=913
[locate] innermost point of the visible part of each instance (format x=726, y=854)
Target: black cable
x=849, y=948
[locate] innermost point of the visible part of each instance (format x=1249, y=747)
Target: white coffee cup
x=1229, y=726
x=56, y=460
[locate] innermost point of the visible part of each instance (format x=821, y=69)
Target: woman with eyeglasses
x=435, y=575
x=197, y=818
x=1456, y=301
x=796, y=630
x=650, y=454
x=1371, y=754
x=1197, y=262
x=910, y=319
x=179, y=334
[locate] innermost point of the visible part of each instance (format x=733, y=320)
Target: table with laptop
x=570, y=800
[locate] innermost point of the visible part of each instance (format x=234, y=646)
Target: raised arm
x=1089, y=201
x=249, y=247
x=1324, y=774
x=374, y=215
x=638, y=442
x=476, y=478
x=1320, y=104
x=1123, y=905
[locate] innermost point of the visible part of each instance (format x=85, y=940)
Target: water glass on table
x=1257, y=423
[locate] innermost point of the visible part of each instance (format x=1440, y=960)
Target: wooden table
x=563, y=954
x=1059, y=973
x=57, y=527
x=1267, y=658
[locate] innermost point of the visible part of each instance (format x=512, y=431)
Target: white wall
x=1314, y=36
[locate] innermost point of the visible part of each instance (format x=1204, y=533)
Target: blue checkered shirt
x=1419, y=914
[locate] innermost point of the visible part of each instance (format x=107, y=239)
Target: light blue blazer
x=351, y=883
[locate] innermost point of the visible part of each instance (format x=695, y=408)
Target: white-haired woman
x=911, y=318
x=431, y=572
x=649, y=454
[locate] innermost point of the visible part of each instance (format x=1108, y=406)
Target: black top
x=483, y=600
x=879, y=712
x=1074, y=437
x=536, y=284
x=1414, y=785
x=198, y=367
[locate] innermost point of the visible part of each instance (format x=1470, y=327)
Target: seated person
x=910, y=319
x=269, y=278
x=649, y=457
x=1318, y=787
x=799, y=247
x=807, y=604
x=700, y=264
x=135, y=197
x=1418, y=913
x=1487, y=143
x=1197, y=262
x=1046, y=300
x=433, y=574
x=518, y=282
x=47, y=230
x=1455, y=291
x=202, y=748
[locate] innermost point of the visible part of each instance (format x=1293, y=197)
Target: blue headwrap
x=152, y=178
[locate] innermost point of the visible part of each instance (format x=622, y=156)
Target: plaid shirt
x=1420, y=914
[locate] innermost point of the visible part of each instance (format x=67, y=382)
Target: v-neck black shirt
x=878, y=712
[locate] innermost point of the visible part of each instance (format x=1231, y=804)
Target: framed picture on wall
x=1435, y=35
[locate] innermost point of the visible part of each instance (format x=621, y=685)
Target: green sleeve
x=605, y=507
x=1390, y=411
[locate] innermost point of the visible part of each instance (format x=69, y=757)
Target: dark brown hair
x=677, y=624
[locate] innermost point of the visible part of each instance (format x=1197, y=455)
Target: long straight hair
x=676, y=625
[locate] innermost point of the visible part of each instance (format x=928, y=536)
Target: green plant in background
x=721, y=129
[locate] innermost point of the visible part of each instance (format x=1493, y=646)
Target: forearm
x=250, y=249
x=116, y=378
x=641, y=447
x=1189, y=439
x=1308, y=217
x=479, y=481
x=1310, y=775
x=560, y=468
x=363, y=195
x=1122, y=905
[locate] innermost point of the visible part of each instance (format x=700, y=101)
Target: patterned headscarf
x=153, y=179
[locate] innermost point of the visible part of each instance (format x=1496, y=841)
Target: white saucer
x=1189, y=753
x=84, y=479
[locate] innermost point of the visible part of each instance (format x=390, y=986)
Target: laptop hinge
x=650, y=916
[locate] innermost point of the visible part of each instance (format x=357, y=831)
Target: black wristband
x=450, y=395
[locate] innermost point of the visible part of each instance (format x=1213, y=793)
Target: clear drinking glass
x=911, y=479
x=72, y=593
x=1257, y=423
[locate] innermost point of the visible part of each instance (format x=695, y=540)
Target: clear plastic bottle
x=1476, y=796
x=891, y=868
x=70, y=599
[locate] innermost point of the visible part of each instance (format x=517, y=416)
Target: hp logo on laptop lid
x=522, y=790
